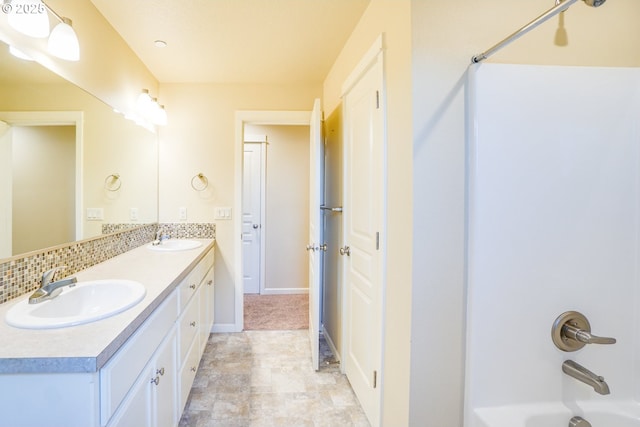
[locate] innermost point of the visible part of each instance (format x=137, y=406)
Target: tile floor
x=265, y=379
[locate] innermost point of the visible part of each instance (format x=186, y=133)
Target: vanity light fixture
x=149, y=109
x=31, y=17
x=28, y=17
x=63, y=41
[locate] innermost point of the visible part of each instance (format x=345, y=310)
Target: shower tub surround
x=95, y=374
x=553, y=226
x=22, y=274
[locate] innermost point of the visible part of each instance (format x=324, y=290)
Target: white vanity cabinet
x=194, y=324
x=160, y=392
x=146, y=378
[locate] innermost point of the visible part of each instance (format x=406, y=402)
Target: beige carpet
x=276, y=312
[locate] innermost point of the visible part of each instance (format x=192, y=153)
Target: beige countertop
x=86, y=348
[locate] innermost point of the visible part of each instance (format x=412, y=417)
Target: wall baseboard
x=285, y=291
x=225, y=328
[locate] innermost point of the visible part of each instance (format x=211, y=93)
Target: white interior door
x=362, y=253
x=251, y=217
x=316, y=183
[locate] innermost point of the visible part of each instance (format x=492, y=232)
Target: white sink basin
x=84, y=303
x=175, y=245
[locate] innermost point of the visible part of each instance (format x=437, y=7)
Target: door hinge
x=377, y=99
x=377, y=240
x=375, y=379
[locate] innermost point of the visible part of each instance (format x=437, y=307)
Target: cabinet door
x=135, y=410
x=164, y=385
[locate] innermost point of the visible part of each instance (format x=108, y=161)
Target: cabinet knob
x=193, y=324
x=193, y=369
x=192, y=286
x=155, y=380
x=210, y=282
x=160, y=371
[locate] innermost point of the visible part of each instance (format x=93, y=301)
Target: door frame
x=262, y=140
x=242, y=118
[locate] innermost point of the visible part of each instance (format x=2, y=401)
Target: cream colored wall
x=200, y=137
x=287, y=207
x=445, y=34
x=393, y=18
x=108, y=68
x=43, y=186
x=111, y=145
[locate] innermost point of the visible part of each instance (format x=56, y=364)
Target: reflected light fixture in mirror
x=19, y=54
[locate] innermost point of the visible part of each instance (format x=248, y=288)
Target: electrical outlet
x=182, y=213
x=133, y=214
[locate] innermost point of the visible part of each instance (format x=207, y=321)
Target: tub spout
x=579, y=422
x=584, y=375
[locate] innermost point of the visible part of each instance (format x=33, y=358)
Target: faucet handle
x=571, y=331
x=47, y=276
x=585, y=336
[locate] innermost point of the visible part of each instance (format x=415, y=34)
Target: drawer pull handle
x=155, y=380
x=192, y=286
x=193, y=369
x=193, y=324
x=160, y=371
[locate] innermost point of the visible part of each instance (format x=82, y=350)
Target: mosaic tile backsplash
x=21, y=275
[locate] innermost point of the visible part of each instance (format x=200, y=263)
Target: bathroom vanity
x=135, y=368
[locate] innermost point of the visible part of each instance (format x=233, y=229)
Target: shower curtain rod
x=560, y=7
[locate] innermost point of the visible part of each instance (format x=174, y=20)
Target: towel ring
x=112, y=182
x=204, y=182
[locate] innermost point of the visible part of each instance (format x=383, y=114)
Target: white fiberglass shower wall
x=553, y=225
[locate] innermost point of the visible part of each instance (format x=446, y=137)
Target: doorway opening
x=269, y=230
x=275, y=226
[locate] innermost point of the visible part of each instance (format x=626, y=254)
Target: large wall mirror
x=68, y=163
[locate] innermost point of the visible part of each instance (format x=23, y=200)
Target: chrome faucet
x=579, y=372
x=160, y=238
x=50, y=289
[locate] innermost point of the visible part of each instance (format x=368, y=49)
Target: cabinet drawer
x=188, y=374
x=189, y=286
x=120, y=373
x=189, y=325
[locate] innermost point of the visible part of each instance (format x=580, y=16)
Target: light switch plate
x=95, y=214
x=182, y=213
x=222, y=213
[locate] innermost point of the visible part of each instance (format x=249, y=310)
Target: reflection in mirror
x=60, y=148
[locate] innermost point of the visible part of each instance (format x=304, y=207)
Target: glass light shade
x=29, y=17
x=161, y=116
x=19, y=54
x=63, y=42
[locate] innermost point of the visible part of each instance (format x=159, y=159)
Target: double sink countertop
x=87, y=347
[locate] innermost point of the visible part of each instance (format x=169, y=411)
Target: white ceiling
x=243, y=41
